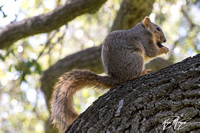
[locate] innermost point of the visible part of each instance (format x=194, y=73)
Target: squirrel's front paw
x=164, y=50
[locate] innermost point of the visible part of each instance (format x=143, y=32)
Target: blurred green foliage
x=23, y=108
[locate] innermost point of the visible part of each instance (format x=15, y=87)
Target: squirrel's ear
x=147, y=22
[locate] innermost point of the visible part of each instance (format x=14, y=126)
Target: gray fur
x=123, y=51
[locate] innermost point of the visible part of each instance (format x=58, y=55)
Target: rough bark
x=143, y=104
x=47, y=22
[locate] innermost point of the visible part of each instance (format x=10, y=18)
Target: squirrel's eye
x=158, y=29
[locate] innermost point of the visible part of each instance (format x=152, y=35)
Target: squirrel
x=123, y=55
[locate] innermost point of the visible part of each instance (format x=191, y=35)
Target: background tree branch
x=47, y=22
x=143, y=104
x=131, y=12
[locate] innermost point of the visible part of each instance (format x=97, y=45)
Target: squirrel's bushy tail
x=62, y=111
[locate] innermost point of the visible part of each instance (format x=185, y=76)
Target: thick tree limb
x=132, y=12
x=47, y=22
x=157, y=64
x=142, y=105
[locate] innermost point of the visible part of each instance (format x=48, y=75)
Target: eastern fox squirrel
x=123, y=55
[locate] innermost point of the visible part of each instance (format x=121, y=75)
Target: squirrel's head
x=158, y=35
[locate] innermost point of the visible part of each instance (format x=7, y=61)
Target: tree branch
x=143, y=104
x=132, y=12
x=47, y=22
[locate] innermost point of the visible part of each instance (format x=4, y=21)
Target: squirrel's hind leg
x=145, y=71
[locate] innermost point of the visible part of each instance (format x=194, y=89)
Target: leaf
x=4, y=15
x=23, y=77
x=1, y=8
x=38, y=68
x=2, y=57
x=10, y=68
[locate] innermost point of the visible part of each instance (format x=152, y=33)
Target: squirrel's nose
x=164, y=40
